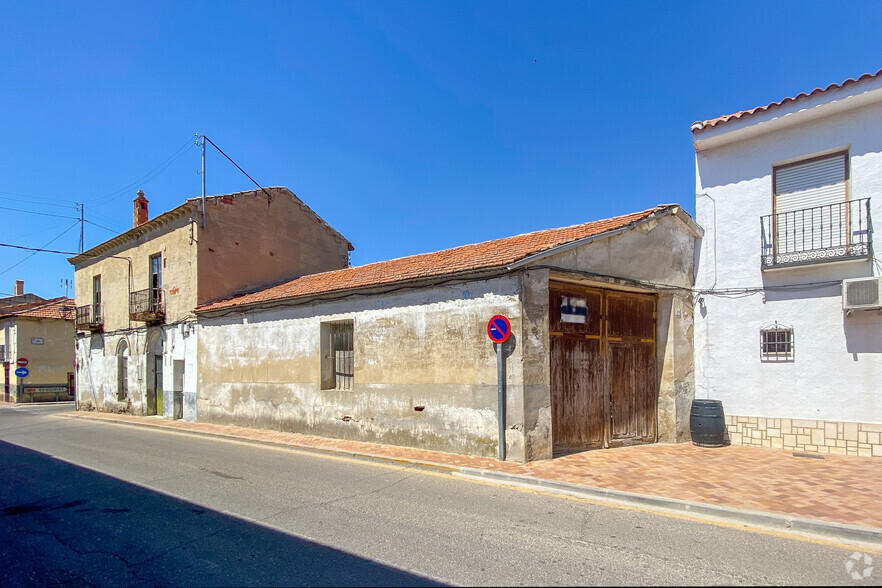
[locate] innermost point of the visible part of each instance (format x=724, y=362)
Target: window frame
x=337, y=372
x=782, y=348
x=776, y=168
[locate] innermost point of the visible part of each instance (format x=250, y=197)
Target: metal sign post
x=499, y=329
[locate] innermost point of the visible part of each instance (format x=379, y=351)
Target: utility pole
x=203, y=181
x=82, y=223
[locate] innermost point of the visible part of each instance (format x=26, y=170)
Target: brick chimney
x=19, y=287
x=140, y=216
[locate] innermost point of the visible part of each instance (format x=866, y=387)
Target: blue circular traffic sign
x=498, y=329
x=22, y=372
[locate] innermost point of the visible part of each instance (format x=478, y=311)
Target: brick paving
x=840, y=489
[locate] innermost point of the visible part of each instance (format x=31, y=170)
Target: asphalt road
x=110, y=505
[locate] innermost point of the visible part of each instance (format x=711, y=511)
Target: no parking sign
x=498, y=329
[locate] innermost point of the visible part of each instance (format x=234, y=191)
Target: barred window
x=777, y=343
x=338, y=359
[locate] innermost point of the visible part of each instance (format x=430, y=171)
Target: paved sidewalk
x=837, y=490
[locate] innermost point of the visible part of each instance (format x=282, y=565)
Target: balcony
x=90, y=318
x=147, y=305
x=822, y=234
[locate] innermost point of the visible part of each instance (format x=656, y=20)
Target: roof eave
x=133, y=233
x=664, y=210
x=366, y=289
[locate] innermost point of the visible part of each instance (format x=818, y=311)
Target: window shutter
x=810, y=184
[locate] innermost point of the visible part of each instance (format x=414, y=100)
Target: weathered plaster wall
x=534, y=344
x=98, y=370
x=660, y=252
x=425, y=347
x=52, y=361
x=249, y=241
x=178, y=251
x=837, y=363
x=48, y=363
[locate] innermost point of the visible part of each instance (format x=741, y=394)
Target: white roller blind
x=811, y=184
x=800, y=225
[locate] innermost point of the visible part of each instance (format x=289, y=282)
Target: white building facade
x=788, y=326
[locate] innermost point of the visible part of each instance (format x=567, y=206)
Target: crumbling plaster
x=425, y=347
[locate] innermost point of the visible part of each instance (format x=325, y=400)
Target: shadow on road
x=67, y=525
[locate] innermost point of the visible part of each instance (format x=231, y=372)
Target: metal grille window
x=777, y=343
x=337, y=355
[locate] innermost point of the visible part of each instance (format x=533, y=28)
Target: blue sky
x=408, y=126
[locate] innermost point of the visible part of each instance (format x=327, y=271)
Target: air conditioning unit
x=862, y=294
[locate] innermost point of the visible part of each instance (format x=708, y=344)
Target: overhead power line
x=237, y=166
x=39, y=213
x=38, y=249
x=35, y=251
x=153, y=173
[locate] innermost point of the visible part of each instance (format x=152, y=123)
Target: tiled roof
x=480, y=256
x=57, y=308
x=698, y=125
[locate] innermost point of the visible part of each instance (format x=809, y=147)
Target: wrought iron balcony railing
x=90, y=318
x=833, y=232
x=147, y=305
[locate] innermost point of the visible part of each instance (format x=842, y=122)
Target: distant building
x=135, y=294
x=788, y=333
x=19, y=297
x=37, y=351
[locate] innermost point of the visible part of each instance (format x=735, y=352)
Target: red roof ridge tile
x=699, y=125
x=61, y=307
x=471, y=257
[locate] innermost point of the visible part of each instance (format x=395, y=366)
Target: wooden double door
x=603, y=368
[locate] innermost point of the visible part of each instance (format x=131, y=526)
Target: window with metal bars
x=337, y=355
x=776, y=343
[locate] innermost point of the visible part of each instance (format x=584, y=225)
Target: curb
x=867, y=536
x=829, y=530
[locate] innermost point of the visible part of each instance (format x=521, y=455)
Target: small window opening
x=338, y=359
x=777, y=343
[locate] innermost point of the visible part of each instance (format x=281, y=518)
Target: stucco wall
x=49, y=363
x=98, y=370
x=425, y=347
x=250, y=241
x=837, y=363
x=178, y=251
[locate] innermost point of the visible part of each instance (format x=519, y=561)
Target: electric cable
x=34, y=252
x=149, y=176
x=238, y=167
x=39, y=213
x=103, y=227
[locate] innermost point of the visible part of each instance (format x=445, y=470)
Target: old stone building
x=398, y=351
x=135, y=294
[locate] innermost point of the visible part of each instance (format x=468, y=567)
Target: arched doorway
x=122, y=371
x=154, y=373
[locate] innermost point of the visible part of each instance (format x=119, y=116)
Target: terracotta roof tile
x=56, y=308
x=698, y=125
x=479, y=256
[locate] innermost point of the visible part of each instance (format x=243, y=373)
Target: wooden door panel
x=593, y=300
x=631, y=315
x=603, y=386
x=622, y=390
x=647, y=394
x=577, y=393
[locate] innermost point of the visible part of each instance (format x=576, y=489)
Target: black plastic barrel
x=707, y=423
